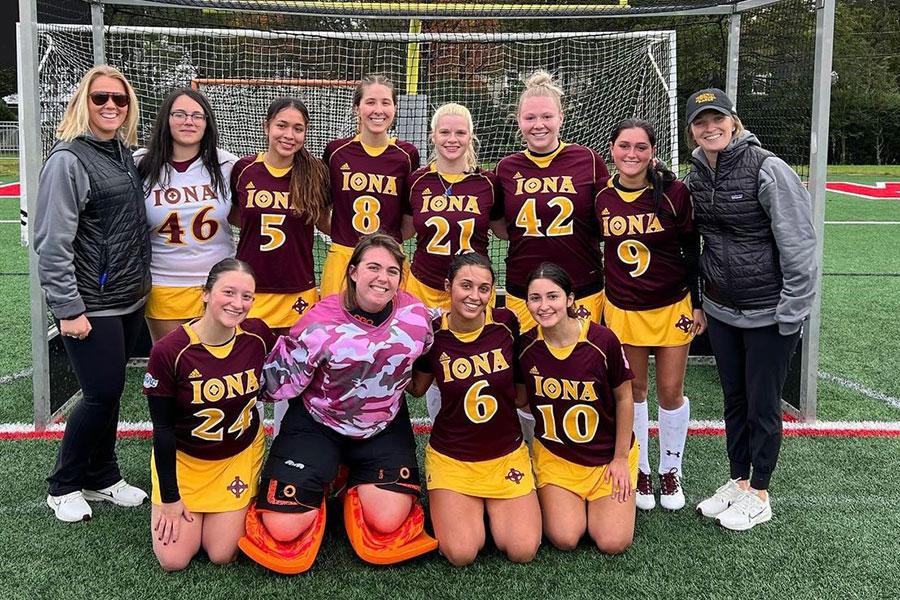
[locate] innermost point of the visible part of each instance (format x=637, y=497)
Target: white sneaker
x=749, y=510
x=119, y=493
x=70, y=507
x=724, y=497
x=644, y=492
x=671, y=495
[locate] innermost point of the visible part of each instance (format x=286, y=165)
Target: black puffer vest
x=112, y=243
x=739, y=264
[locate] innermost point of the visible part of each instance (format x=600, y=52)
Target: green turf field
x=834, y=534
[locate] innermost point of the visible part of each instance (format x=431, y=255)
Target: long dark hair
x=658, y=175
x=555, y=273
x=309, y=177
x=159, y=147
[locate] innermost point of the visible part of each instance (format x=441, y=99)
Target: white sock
x=673, y=426
x=526, y=421
x=433, y=400
x=280, y=409
x=641, y=427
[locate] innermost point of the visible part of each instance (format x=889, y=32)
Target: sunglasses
x=101, y=98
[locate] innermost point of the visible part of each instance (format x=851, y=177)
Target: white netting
x=606, y=77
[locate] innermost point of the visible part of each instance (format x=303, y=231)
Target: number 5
x=268, y=227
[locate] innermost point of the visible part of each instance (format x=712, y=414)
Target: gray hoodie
x=786, y=201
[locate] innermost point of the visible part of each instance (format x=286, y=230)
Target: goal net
x=606, y=77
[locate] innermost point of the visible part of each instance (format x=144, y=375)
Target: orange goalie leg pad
x=408, y=541
x=287, y=558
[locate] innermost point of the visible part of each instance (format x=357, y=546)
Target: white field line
x=862, y=222
x=16, y=376
x=823, y=428
x=860, y=389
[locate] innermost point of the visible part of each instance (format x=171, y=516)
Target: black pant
x=87, y=454
x=753, y=365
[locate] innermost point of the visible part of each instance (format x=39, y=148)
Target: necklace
x=448, y=187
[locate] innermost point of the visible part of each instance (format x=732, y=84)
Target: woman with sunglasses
x=94, y=265
x=188, y=199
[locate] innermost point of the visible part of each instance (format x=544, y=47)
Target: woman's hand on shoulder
x=167, y=521
x=79, y=327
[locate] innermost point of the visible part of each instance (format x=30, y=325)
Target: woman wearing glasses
x=188, y=199
x=94, y=265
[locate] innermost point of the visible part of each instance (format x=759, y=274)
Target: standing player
x=548, y=192
x=201, y=385
x=368, y=178
x=651, y=272
x=343, y=370
x=451, y=205
x=188, y=198
x=281, y=193
x=577, y=380
x=475, y=458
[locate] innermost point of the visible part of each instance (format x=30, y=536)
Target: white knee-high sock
x=433, y=400
x=673, y=426
x=640, y=428
x=280, y=409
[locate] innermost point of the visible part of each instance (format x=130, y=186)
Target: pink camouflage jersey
x=349, y=374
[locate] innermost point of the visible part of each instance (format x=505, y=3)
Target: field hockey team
x=540, y=408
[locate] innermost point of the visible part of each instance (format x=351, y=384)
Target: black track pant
x=87, y=454
x=753, y=366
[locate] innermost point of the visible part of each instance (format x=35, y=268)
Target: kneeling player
x=579, y=390
x=344, y=368
x=201, y=384
x=476, y=458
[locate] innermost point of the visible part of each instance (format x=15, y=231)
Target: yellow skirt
x=588, y=482
x=589, y=307
x=430, y=297
x=174, y=303
x=665, y=326
x=334, y=269
x=505, y=477
x=283, y=310
x=214, y=486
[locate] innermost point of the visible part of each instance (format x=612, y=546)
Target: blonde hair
x=541, y=84
x=457, y=110
x=739, y=130
x=77, y=120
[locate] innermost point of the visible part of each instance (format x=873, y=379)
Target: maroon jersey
x=644, y=267
x=366, y=189
x=549, y=210
x=214, y=387
x=570, y=392
x=275, y=240
x=475, y=374
x=449, y=216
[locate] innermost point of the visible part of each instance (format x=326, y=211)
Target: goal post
x=469, y=52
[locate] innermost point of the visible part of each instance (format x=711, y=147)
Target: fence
x=9, y=137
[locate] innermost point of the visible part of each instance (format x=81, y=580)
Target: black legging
x=753, y=366
x=87, y=454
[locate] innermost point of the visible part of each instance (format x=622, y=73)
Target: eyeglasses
x=181, y=116
x=101, y=98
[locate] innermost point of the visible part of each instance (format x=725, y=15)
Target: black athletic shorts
x=305, y=456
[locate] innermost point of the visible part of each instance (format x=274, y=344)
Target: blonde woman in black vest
x=758, y=270
x=94, y=265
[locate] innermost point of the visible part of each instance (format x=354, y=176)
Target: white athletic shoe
x=671, y=495
x=70, y=507
x=644, y=492
x=724, y=497
x=119, y=493
x=749, y=510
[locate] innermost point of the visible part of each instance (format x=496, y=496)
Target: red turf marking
x=10, y=190
x=421, y=429
x=788, y=418
x=879, y=191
